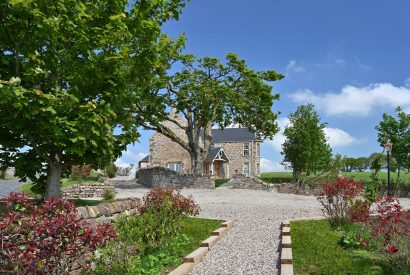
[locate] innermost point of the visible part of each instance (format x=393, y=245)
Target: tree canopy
x=397, y=129
x=70, y=74
x=207, y=92
x=305, y=149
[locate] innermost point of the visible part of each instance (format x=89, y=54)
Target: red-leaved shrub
x=337, y=197
x=47, y=238
x=389, y=227
x=157, y=197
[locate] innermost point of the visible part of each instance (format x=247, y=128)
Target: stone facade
x=235, y=152
x=86, y=190
x=164, y=152
x=163, y=177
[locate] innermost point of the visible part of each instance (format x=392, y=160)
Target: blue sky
x=349, y=58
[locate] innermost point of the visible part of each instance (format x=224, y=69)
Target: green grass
x=316, y=250
x=276, y=177
x=219, y=182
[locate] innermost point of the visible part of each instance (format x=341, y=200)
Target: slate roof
x=145, y=159
x=212, y=153
x=232, y=135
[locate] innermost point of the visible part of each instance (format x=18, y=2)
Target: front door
x=216, y=169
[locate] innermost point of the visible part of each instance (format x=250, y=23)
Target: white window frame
x=248, y=165
x=247, y=150
x=176, y=166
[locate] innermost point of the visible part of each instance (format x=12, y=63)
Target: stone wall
x=86, y=190
x=249, y=182
x=108, y=211
x=163, y=177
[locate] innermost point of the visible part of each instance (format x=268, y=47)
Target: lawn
x=278, y=177
x=158, y=260
x=316, y=250
x=219, y=182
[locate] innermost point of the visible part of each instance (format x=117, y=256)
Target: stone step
x=286, y=231
x=285, y=223
x=286, y=242
x=210, y=242
x=286, y=269
x=183, y=269
x=228, y=223
x=196, y=255
x=220, y=231
x=286, y=256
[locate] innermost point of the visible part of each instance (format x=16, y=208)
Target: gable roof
x=145, y=159
x=213, y=153
x=232, y=135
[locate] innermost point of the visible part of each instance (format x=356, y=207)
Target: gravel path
x=7, y=186
x=250, y=247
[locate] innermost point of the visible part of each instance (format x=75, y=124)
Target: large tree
x=305, y=149
x=207, y=92
x=70, y=72
x=397, y=129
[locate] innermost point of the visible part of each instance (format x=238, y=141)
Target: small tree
x=305, y=149
x=397, y=129
x=348, y=164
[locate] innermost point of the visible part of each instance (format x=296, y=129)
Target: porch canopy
x=217, y=154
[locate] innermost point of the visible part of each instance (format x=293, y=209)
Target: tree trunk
x=53, y=181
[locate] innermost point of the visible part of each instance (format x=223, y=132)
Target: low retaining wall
x=86, y=190
x=163, y=177
x=249, y=182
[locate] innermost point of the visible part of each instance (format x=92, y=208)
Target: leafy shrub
x=156, y=227
x=80, y=171
x=111, y=170
x=137, y=174
x=161, y=198
x=337, y=197
x=108, y=195
x=389, y=227
x=47, y=238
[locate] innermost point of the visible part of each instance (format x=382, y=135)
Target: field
x=363, y=176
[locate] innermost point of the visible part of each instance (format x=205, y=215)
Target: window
x=246, y=168
x=175, y=166
x=258, y=149
x=246, y=149
x=257, y=169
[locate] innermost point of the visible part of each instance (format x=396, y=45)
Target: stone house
x=234, y=151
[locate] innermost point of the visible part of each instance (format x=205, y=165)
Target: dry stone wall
x=86, y=190
x=163, y=177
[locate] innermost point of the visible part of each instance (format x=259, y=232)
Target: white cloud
x=338, y=138
x=407, y=82
x=357, y=101
x=295, y=67
x=335, y=136
x=271, y=166
x=129, y=157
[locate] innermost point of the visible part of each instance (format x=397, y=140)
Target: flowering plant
x=45, y=239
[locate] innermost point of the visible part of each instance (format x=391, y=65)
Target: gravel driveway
x=7, y=186
x=250, y=247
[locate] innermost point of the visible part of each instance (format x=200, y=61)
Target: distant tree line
x=361, y=164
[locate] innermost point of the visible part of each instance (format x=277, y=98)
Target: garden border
x=285, y=247
x=192, y=259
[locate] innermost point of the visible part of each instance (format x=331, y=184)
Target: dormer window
x=246, y=149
